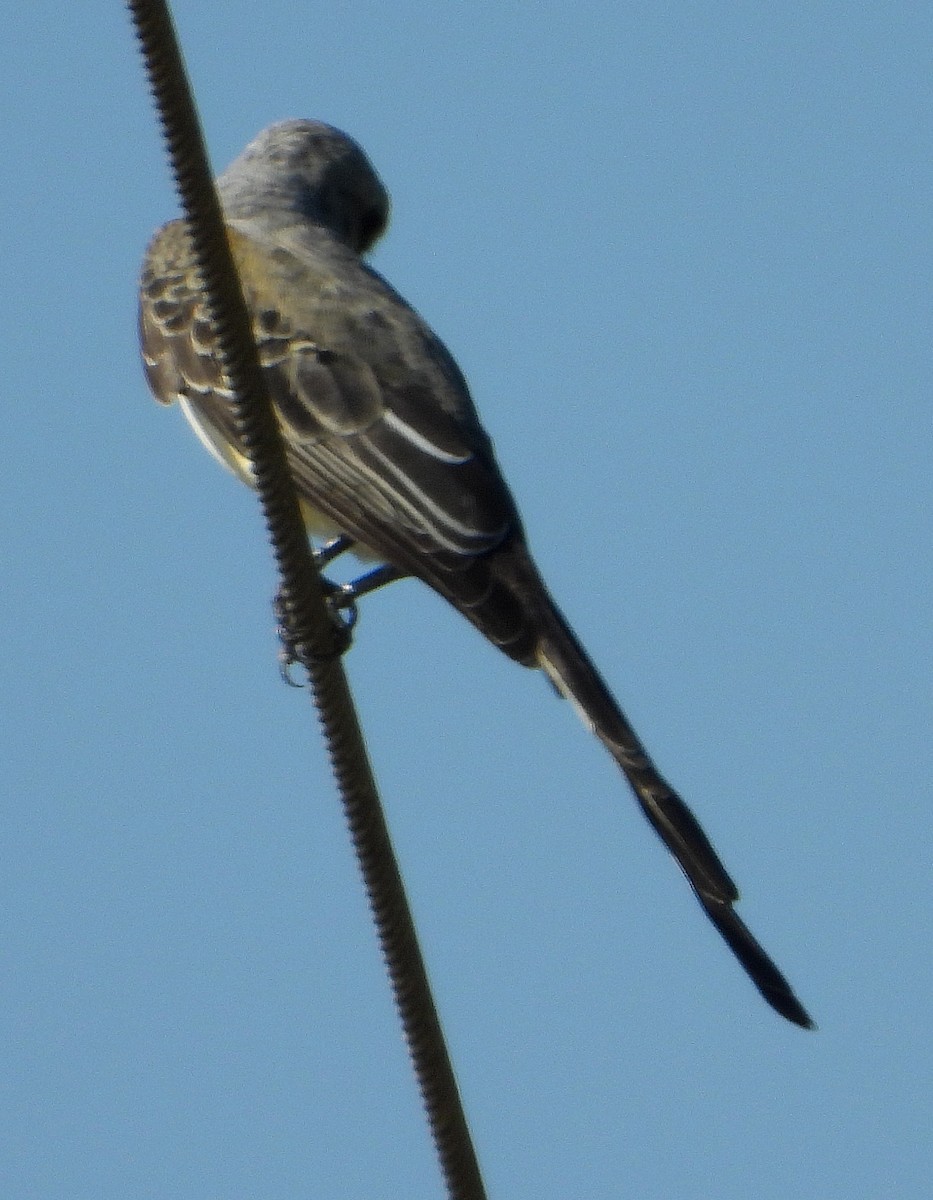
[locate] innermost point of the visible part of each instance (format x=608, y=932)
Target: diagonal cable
x=318, y=641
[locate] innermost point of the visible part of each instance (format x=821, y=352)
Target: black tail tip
x=789, y=1007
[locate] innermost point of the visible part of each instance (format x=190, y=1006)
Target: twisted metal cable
x=317, y=641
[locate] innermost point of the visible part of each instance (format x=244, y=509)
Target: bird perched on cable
x=384, y=442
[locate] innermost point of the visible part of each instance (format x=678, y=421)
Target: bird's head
x=311, y=170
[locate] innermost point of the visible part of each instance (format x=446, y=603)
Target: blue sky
x=682, y=253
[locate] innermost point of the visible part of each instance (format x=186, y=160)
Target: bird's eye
x=372, y=222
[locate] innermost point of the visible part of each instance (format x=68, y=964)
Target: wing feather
x=393, y=455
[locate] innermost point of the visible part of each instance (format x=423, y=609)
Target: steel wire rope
x=317, y=640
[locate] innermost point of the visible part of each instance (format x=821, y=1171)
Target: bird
x=385, y=446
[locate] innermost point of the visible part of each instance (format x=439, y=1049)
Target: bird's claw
x=342, y=610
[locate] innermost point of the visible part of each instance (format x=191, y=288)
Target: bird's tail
x=561, y=656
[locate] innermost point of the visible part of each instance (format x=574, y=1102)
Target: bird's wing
x=380, y=430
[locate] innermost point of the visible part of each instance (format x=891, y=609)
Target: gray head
x=309, y=170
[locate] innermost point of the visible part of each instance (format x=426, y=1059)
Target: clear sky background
x=683, y=254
